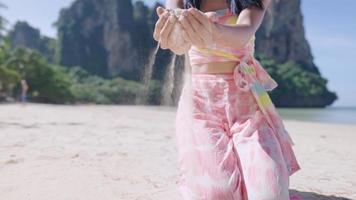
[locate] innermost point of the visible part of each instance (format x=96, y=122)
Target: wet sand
x=129, y=153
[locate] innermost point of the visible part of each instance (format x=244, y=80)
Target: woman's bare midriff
x=214, y=68
x=207, y=6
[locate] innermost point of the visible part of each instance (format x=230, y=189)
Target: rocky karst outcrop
x=24, y=35
x=97, y=35
x=282, y=35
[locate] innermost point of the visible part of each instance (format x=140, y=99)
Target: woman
x=232, y=143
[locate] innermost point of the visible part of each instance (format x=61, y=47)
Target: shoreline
x=281, y=111
x=92, y=152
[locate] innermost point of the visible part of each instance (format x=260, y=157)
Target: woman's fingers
x=200, y=17
x=186, y=26
x=212, y=16
x=205, y=19
x=160, y=10
x=193, y=36
x=185, y=34
x=159, y=25
x=208, y=20
x=166, y=31
x=199, y=28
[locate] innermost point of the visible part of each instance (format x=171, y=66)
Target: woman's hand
x=164, y=27
x=166, y=30
x=200, y=28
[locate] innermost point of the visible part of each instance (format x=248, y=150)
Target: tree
x=3, y=21
x=297, y=87
x=48, y=84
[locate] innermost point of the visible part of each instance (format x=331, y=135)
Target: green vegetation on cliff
x=297, y=87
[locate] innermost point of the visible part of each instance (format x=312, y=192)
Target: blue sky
x=330, y=29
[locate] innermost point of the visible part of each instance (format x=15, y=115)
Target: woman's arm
x=248, y=23
x=201, y=31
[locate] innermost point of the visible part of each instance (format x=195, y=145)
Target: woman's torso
x=214, y=65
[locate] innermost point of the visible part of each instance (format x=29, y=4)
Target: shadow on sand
x=315, y=196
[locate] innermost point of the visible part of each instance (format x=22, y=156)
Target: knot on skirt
x=243, y=76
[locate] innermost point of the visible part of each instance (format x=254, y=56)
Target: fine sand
x=128, y=153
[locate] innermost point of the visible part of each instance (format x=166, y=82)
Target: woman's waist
x=208, y=56
x=214, y=66
x=226, y=67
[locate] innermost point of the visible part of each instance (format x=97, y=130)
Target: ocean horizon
x=333, y=114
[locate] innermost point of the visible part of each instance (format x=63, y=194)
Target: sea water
x=344, y=115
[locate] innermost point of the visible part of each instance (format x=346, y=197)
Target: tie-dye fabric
x=232, y=142
x=227, y=148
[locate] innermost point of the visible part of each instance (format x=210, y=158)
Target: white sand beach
x=128, y=153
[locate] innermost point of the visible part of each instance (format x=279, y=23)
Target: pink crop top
x=216, y=53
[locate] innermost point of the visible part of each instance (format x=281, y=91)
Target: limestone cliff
x=25, y=35
x=97, y=36
x=282, y=35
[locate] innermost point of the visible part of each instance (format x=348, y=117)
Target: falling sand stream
x=168, y=85
x=142, y=97
x=168, y=81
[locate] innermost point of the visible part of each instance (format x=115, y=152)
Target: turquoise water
x=344, y=115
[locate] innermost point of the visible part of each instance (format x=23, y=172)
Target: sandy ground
x=129, y=153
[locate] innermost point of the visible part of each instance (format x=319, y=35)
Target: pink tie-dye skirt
x=227, y=150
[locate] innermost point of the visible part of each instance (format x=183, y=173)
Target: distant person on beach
x=24, y=89
x=232, y=143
